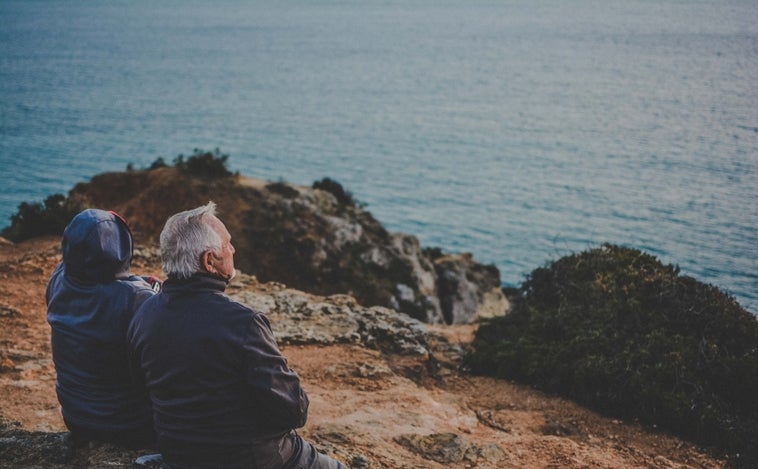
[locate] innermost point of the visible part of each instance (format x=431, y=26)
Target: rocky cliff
x=311, y=239
x=386, y=390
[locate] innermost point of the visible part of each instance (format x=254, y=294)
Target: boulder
x=467, y=289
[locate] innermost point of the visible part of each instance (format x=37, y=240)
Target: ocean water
x=518, y=131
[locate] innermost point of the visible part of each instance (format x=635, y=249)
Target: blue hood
x=97, y=246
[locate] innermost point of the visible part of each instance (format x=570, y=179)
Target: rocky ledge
x=385, y=388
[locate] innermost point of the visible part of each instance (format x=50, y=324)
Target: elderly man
x=91, y=298
x=222, y=394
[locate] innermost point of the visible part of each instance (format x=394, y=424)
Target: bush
x=158, y=163
x=433, y=253
x=618, y=331
x=36, y=219
x=210, y=165
x=283, y=189
x=335, y=188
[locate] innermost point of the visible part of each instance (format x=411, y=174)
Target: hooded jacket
x=91, y=299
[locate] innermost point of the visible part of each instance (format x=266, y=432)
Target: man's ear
x=206, y=262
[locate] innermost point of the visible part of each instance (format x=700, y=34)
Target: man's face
x=222, y=264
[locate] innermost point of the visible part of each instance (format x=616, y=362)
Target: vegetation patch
x=205, y=164
x=37, y=219
x=335, y=188
x=618, y=331
x=51, y=217
x=283, y=189
x=202, y=163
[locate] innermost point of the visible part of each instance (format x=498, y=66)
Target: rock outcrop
x=299, y=318
x=314, y=240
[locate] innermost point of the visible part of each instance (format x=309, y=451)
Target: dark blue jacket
x=91, y=300
x=216, y=377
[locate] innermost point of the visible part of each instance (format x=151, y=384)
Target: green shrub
x=335, y=188
x=433, y=253
x=283, y=189
x=210, y=165
x=36, y=219
x=618, y=331
x=158, y=163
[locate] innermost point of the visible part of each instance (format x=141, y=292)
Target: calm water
x=515, y=131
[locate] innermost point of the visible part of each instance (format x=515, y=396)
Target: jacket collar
x=198, y=282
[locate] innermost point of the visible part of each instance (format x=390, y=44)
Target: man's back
x=217, y=379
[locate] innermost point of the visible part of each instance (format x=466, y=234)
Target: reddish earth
x=368, y=408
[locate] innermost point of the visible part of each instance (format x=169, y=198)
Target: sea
x=519, y=131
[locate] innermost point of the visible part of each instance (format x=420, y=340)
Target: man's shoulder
x=239, y=313
x=220, y=301
x=236, y=307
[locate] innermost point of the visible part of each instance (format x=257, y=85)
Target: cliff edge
x=386, y=390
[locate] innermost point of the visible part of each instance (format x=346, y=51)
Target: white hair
x=184, y=239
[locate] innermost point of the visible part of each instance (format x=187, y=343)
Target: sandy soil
x=368, y=408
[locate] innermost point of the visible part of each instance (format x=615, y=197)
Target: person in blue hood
x=91, y=298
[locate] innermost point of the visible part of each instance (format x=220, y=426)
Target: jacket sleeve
x=143, y=290
x=53, y=283
x=273, y=385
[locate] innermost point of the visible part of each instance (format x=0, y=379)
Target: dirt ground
x=368, y=408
